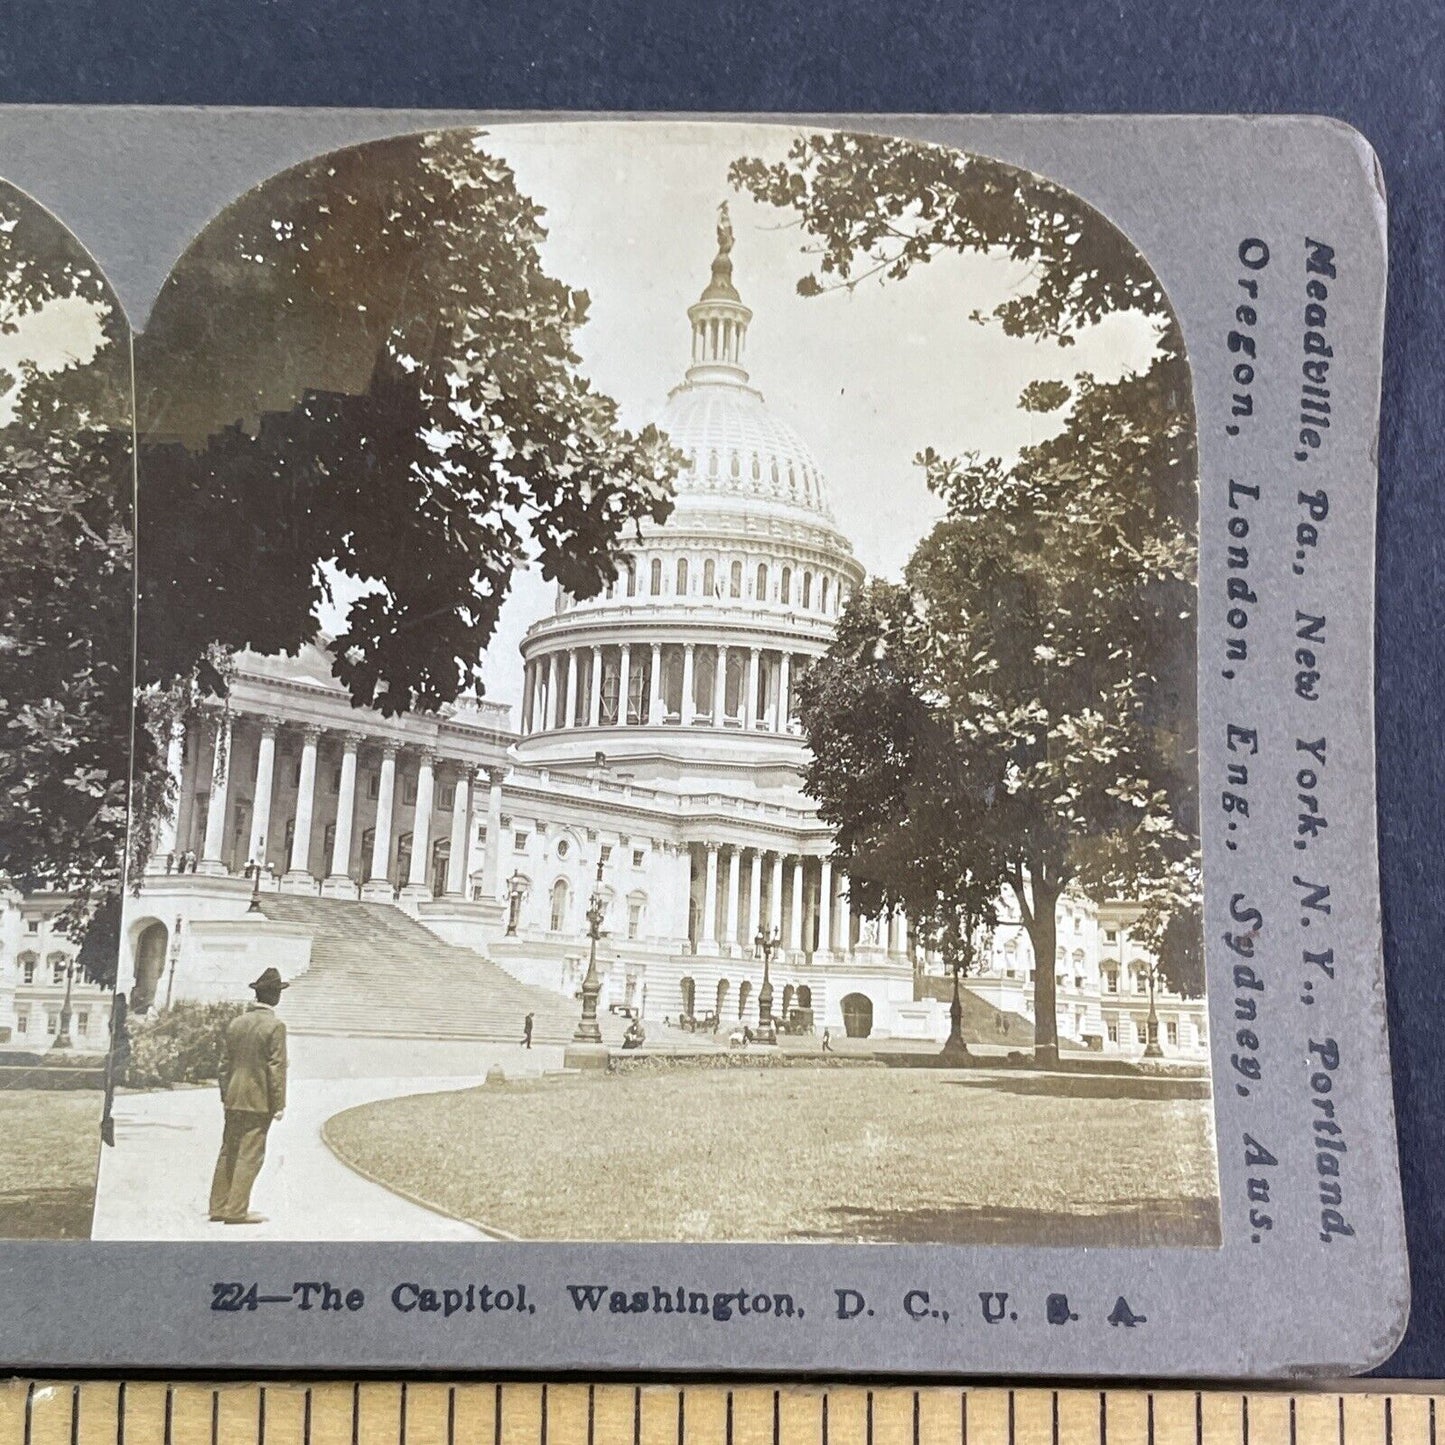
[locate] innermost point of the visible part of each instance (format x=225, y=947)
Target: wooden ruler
x=35, y=1412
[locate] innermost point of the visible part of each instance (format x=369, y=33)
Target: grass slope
x=49, y=1154
x=801, y=1154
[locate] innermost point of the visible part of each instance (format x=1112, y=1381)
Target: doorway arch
x=857, y=1015
x=150, y=964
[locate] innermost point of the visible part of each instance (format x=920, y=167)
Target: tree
x=910, y=829
x=363, y=365
x=66, y=620
x=1054, y=646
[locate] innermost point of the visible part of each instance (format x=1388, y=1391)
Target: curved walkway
x=154, y=1183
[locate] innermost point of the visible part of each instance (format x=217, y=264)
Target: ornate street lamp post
x=1151, y=1046
x=62, y=1037
x=767, y=947
x=255, y=866
x=954, y=1043
x=587, y=1051
x=587, y=1029
x=516, y=891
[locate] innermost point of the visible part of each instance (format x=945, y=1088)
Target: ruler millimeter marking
x=429, y=1413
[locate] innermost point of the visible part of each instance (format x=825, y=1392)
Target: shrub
x=182, y=1045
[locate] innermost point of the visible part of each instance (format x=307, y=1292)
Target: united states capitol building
x=429, y=875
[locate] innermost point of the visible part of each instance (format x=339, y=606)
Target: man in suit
x=253, y=1094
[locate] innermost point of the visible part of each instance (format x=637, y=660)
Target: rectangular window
x=449, y=795
x=57, y=973
x=634, y=919
x=22, y=1023
x=32, y=925
x=1111, y=935
x=637, y=857
x=336, y=779
x=519, y=842
x=1171, y=1031
x=606, y=852
x=408, y=791
x=1141, y=982
x=50, y=1023
x=1113, y=1033
x=373, y=786
x=82, y=1022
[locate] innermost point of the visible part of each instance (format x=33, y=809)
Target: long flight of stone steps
x=375, y=972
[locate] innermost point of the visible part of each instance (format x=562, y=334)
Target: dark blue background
x=1379, y=66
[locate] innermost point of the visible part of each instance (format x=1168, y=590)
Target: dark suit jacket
x=253, y=1062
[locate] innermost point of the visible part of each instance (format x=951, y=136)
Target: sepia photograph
x=657, y=700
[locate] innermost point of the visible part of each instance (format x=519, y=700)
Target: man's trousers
x=243, y=1147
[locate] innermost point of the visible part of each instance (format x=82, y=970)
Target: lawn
x=848, y=1154
x=49, y=1154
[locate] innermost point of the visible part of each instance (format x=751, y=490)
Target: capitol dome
x=736, y=447
x=693, y=653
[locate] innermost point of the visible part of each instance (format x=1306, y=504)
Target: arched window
x=689, y=995
x=655, y=578
x=735, y=580
x=737, y=466
x=775, y=471
x=785, y=587
x=712, y=463
x=631, y=577
x=762, y=588
x=757, y=468
x=709, y=578
x=682, y=576
x=807, y=589
x=27, y=962
x=559, y=905
x=822, y=594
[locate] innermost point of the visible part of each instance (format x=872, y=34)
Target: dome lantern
x=719, y=319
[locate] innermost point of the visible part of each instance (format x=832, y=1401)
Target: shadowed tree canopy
x=1045, y=634
x=362, y=365
x=66, y=486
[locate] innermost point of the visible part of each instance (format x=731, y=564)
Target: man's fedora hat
x=270, y=979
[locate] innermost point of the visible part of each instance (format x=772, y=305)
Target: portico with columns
x=655, y=732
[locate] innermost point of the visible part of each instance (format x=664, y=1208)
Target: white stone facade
x=37, y=967
x=656, y=735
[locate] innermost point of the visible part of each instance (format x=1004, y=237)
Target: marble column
x=708, y=940
x=339, y=881
x=750, y=705
x=570, y=720
x=163, y=857
x=784, y=686
x=624, y=683
x=754, y=924
x=378, y=884
x=529, y=679
x=775, y=903
x=298, y=872
x=795, y=929
x=553, y=717
x=825, y=907
x=731, y=927
x=903, y=933
x=417, y=885
x=720, y=688
x=845, y=921
x=216, y=804
x=492, y=853
x=688, y=682
x=594, y=690
x=654, y=700
x=461, y=804
x=265, y=785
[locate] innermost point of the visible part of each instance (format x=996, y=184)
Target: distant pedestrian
x=827, y=1042
x=527, y=1031
x=253, y=1094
